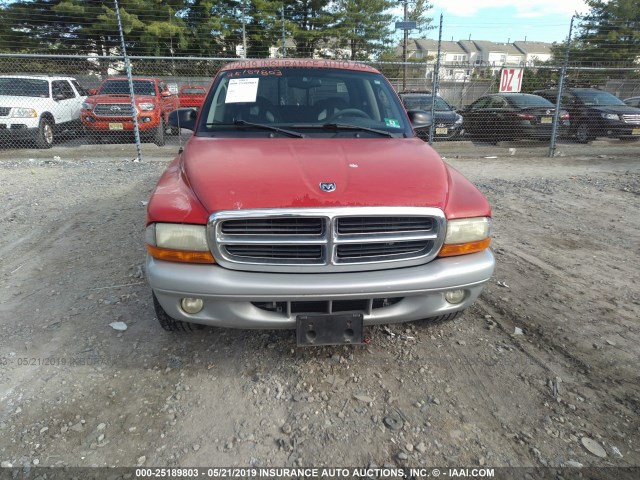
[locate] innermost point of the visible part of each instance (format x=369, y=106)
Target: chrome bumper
x=228, y=294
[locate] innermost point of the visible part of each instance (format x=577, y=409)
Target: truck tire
x=44, y=136
x=158, y=135
x=168, y=323
x=444, y=318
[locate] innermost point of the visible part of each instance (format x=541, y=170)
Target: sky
x=504, y=20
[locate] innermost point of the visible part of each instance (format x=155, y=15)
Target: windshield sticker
x=242, y=90
x=392, y=122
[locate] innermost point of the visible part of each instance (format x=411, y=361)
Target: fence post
x=556, y=114
x=434, y=89
x=127, y=63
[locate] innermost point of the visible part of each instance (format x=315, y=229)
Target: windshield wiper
x=242, y=123
x=345, y=126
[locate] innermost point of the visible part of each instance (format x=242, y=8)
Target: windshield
x=597, y=98
x=303, y=99
x=192, y=90
x=24, y=87
x=528, y=101
x=423, y=102
x=121, y=87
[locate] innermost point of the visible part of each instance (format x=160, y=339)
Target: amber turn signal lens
x=464, y=248
x=181, y=256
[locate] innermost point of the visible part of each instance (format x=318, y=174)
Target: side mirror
x=420, y=118
x=165, y=93
x=92, y=91
x=183, y=118
x=58, y=96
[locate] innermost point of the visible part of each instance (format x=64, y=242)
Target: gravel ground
x=541, y=371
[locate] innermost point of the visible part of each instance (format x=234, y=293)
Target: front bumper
x=146, y=122
x=229, y=295
x=19, y=128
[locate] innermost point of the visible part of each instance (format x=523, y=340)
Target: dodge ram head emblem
x=327, y=186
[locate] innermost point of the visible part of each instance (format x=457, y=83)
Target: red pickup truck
x=192, y=96
x=109, y=109
x=304, y=200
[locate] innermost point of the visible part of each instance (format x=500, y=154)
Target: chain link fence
x=72, y=101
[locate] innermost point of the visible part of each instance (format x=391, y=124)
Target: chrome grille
x=112, y=110
x=4, y=111
x=326, y=240
x=365, y=225
x=365, y=251
x=273, y=226
x=632, y=118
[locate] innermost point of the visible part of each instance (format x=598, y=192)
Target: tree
x=609, y=33
x=364, y=26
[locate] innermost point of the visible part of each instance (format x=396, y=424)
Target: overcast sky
x=505, y=20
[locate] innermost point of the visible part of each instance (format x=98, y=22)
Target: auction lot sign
x=511, y=80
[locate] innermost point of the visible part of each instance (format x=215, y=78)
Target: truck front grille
x=631, y=118
x=326, y=240
x=112, y=110
x=366, y=305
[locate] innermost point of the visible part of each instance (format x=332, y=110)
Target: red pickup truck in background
x=109, y=109
x=192, y=96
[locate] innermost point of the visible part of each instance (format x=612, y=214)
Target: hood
x=232, y=173
x=19, y=101
x=619, y=109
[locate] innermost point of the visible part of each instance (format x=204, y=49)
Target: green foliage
x=608, y=36
x=356, y=29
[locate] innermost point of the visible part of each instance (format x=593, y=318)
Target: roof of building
x=429, y=45
x=507, y=48
x=542, y=48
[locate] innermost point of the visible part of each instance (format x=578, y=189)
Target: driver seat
x=327, y=108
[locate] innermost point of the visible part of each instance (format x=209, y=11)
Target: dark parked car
x=511, y=116
x=447, y=123
x=632, y=102
x=596, y=113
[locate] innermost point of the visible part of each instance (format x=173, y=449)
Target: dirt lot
x=546, y=358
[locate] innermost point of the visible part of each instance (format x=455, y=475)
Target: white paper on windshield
x=242, y=90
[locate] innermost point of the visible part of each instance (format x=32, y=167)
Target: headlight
x=458, y=119
x=176, y=242
x=610, y=116
x=145, y=107
x=87, y=106
x=23, y=113
x=466, y=235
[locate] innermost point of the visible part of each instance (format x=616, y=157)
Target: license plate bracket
x=116, y=126
x=330, y=329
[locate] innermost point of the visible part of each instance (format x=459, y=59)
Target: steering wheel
x=349, y=112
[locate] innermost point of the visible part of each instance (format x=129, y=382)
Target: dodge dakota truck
x=109, y=109
x=304, y=200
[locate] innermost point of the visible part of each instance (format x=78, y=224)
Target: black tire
x=168, y=323
x=583, y=133
x=45, y=138
x=444, y=318
x=158, y=135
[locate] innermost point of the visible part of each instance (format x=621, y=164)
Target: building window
x=503, y=59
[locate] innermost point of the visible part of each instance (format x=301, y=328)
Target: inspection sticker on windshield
x=391, y=122
x=242, y=90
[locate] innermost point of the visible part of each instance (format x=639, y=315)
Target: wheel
x=349, y=112
x=158, y=136
x=444, y=318
x=44, y=137
x=168, y=323
x=583, y=133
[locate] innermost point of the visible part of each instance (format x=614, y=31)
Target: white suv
x=38, y=108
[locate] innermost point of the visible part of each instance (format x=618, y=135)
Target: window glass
x=121, y=87
x=63, y=88
x=294, y=96
x=24, y=87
